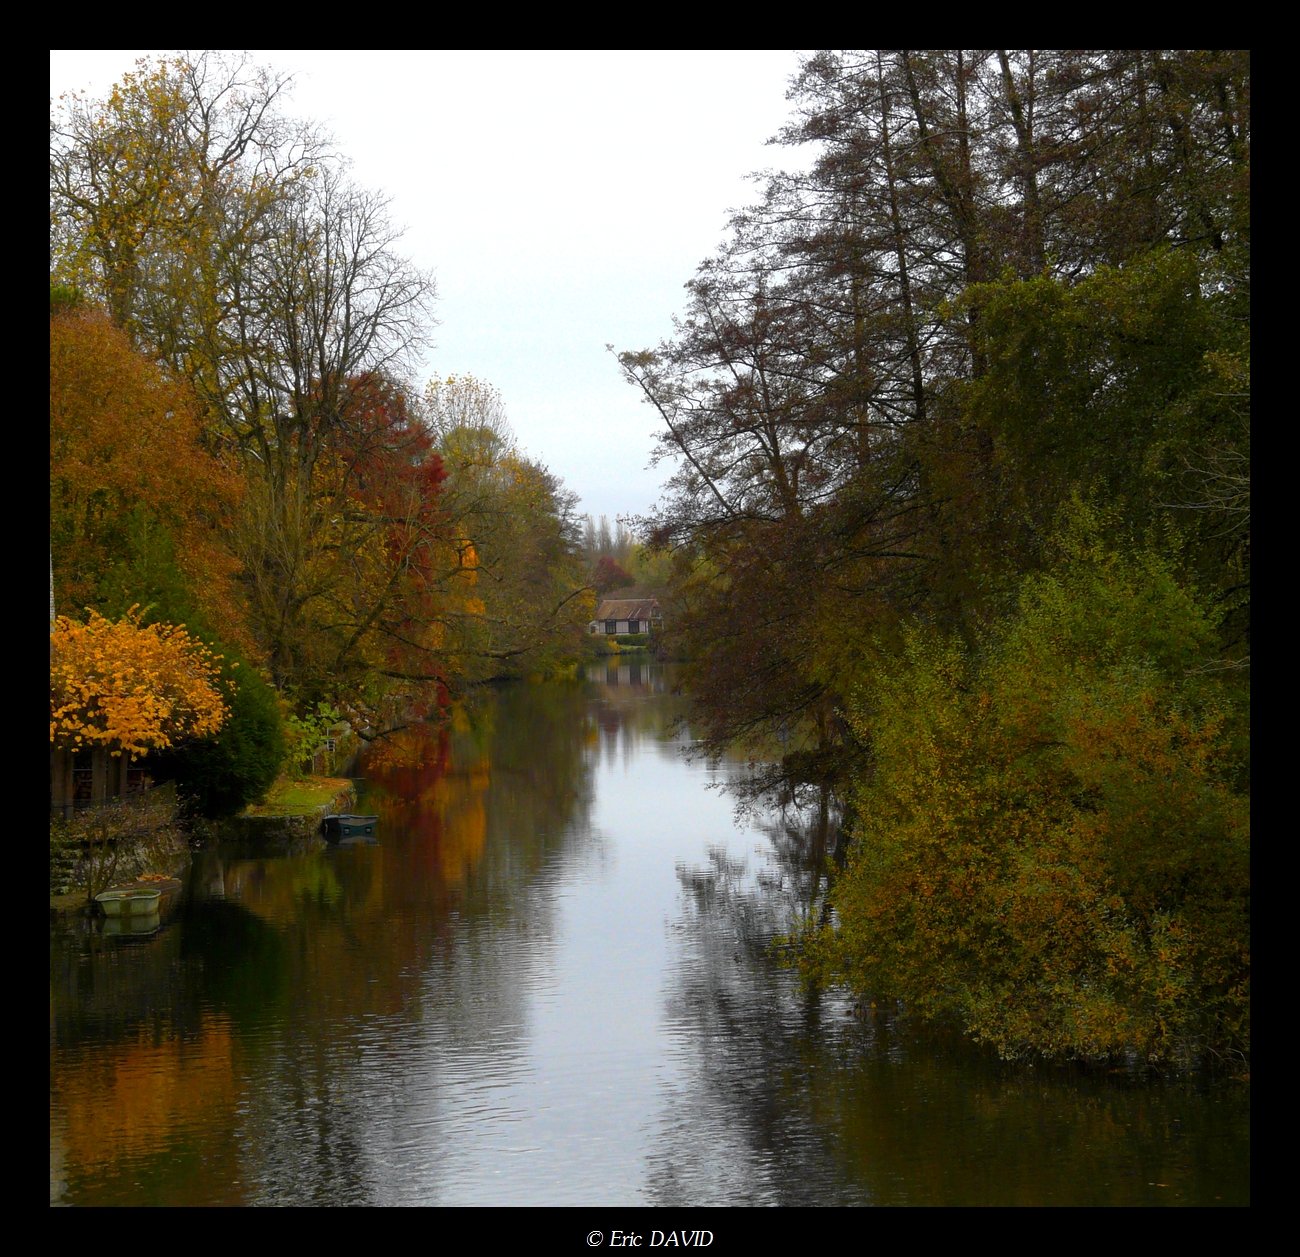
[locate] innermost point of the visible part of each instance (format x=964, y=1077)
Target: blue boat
x=346, y=825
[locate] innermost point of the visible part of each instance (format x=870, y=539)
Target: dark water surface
x=549, y=983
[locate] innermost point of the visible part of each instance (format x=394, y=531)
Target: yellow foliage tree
x=130, y=688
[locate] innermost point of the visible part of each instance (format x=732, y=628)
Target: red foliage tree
x=609, y=575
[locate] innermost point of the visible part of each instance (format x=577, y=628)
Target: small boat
x=123, y=903
x=347, y=825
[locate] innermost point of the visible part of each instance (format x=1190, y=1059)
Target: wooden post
x=98, y=775
x=61, y=799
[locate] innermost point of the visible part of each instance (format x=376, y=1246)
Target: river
x=549, y=981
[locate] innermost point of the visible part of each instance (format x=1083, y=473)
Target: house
x=627, y=615
x=80, y=779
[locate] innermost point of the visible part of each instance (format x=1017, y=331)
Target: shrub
x=1052, y=847
x=221, y=775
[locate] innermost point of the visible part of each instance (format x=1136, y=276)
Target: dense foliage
x=1003, y=283
x=129, y=472
x=221, y=774
x=1052, y=843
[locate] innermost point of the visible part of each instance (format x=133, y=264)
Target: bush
x=1053, y=846
x=221, y=775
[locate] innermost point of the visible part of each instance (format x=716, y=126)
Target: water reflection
x=550, y=982
x=802, y=1099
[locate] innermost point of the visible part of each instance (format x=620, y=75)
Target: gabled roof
x=628, y=609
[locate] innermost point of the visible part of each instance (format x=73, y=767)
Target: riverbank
x=292, y=809
x=303, y=796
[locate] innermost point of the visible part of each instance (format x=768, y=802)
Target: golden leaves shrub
x=129, y=687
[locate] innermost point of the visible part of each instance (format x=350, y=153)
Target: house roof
x=628, y=609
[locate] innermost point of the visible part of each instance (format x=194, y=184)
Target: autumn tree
x=140, y=516
x=347, y=569
x=161, y=196
x=129, y=687
x=781, y=506
x=227, y=240
x=132, y=487
x=534, y=590
x=609, y=575
x=530, y=601
x=337, y=312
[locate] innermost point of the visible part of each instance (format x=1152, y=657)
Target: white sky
x=562, y=199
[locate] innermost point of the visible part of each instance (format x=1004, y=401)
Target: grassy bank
x=297, y=796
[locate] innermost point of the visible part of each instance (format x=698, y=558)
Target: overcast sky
x=562, y=199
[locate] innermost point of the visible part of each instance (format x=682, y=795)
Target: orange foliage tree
x=125, y=444
x=130, y=688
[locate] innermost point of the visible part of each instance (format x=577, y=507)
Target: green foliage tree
x=1130, y=384
x=221, y=775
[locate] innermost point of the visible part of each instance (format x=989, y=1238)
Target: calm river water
x=549, y=983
